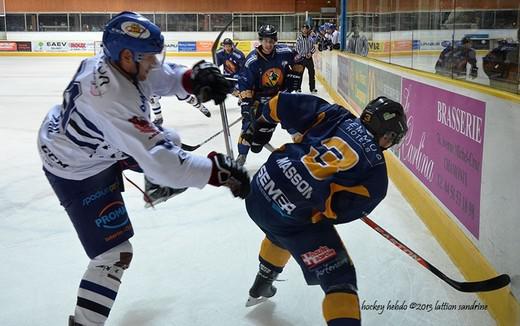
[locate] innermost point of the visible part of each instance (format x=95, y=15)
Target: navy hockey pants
x=96, y=209
x=317, y=248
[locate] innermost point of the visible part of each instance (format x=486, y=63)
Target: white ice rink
x=195, y=256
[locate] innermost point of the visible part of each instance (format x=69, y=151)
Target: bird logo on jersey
x=272, y=77
x=230, y=67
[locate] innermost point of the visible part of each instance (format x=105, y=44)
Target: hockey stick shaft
x=191, y=148
x=223, y=113
x=491, y=284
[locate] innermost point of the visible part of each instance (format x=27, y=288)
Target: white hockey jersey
x=105, y=117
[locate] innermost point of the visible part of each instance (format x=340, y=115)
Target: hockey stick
x=491, y=284
x=223, y=113
x=191, y=148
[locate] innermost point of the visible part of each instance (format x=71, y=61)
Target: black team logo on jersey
x=272, y=77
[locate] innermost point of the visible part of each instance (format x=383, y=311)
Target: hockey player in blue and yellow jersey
x=333, y=173
x=268, y=70
x=231, y=58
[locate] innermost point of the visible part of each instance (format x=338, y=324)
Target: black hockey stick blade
x=189, y=148
x=491, y=284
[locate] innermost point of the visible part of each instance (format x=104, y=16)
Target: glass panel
x=500, y=65
x=204, y=22
x=53, y=22
x=182, y=22
x=218, y=21
x=289, y=24
x=150, y=16
x=488, y=19
x=264, y=20
x=160, y=20
x=2, y=23
x=506, y=19
x=93, y=22
x=246, y=23
x=75, y=26
x=15, y=23
x=32, y=22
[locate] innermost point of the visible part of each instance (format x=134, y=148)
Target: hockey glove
x=248, y=108
x=293, y=77
x=259, y=132
x=208, y=83
x=226, y=172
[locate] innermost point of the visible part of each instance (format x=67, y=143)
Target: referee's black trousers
x=309, y=64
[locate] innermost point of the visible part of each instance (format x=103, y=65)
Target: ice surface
x=195, y=256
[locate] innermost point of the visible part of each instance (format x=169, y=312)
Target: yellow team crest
x=272, y=77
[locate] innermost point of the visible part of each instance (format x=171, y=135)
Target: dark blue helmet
x=227, y=41
x=268, y=31
x=129, y=30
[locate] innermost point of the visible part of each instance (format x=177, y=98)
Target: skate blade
x=158, y=201
x=254, y=301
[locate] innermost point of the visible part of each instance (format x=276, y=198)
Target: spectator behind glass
x=357, y=43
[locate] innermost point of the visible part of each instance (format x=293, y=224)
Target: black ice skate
x=156, y=194
x=262, y=288
x=72, y=322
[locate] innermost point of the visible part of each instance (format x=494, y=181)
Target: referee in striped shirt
x=305, y=48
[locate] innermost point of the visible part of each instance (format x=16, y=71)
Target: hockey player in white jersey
x=104, y=126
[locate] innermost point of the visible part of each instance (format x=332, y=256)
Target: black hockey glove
x=293, y=77
x=226, y=172
x=208, y=82
x=259, y=132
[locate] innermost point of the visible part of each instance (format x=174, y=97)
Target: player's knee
x=341, y=307
x=115, y=260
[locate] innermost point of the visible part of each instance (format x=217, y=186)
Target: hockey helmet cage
x=382, y=116
x=227, y=41
x=132, y=31
x=268, y=31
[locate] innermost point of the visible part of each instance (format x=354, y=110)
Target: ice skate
x=72, y=322
x=262, y=288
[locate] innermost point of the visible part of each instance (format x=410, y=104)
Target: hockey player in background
x=333, y=173
x=232, y=60
x=269, y=69
x=502, y=65
x=453, y=60
x=104, y=126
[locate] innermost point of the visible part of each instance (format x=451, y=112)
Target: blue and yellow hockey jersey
x=232, y=62
x=263, y=75
x=333, y=170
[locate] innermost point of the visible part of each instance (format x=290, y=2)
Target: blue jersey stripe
x=93, y=306
x=99, y=289
x=80, y=143
x=82, y=132
x=89, y=124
